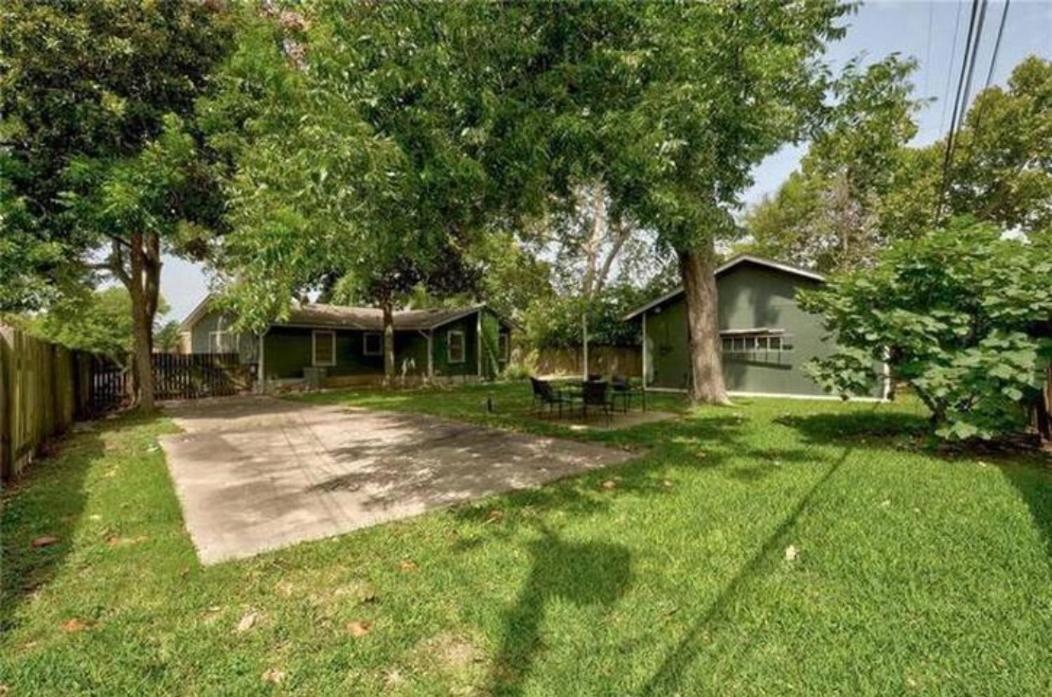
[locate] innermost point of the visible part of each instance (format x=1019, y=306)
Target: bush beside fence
x=40, y=396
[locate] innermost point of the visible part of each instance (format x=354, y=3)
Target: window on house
x=759, y=342
x=455, y=346
x=222, y=342
x=324, y=353
x=504, y=347
x=373, y=344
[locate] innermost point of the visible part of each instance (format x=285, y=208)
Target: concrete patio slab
x=257, y=473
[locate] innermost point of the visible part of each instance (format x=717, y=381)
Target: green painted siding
x=750, y=297
x=248, y=344
x=289, y=350
x=442, y=365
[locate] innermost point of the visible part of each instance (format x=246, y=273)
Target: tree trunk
x=141, y=324
x=696, y=268
x=389, y=349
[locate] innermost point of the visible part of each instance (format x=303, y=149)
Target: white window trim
x=449, y=347
x=735, y=335
x=314, y=348
x=365, y=344
x=212, y=345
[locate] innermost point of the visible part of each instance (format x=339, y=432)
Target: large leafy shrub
x=962, y=314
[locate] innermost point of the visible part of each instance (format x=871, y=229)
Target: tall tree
x=829, y=214
x=672, y=105
x=100, y=167
x=1001, y=172
x=1002, y=164
x=356, y=153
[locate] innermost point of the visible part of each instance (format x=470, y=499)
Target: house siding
x=288, y=350
x=248, y=344
x=750, y=297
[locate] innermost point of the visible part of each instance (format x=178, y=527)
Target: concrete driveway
x=257, y=473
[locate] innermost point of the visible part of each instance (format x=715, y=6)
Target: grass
x=913, y=574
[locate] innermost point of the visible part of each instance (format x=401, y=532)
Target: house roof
x=351, y=317
x=724, y=268
x=371, y=318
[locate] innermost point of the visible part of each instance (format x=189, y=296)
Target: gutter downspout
x=644, y=351
x=262, y=373
x=430, y=336
x=478, y=342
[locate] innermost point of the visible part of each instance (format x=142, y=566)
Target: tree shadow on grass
x=670, y=673
x=871, y=427
x=1033, y=481
x=586, y=574
x=48, y=501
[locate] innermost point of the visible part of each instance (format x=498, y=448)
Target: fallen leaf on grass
x=791, y=553
x=273, y=676
x=408, y=565
x=359, y=628
x=43, y=541
x=667, y=484
x=117, y=540
x=494, y=516
x=247, y=622
x=393, y=679
x=74, y=625
x=609, y=484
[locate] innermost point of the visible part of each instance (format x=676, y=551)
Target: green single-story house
x=766, y=337
x=343, y=345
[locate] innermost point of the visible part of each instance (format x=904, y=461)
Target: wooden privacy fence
x=41, y=393
x=605, y=360
x=196, y=375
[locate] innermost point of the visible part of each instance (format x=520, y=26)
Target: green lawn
x=913, y=573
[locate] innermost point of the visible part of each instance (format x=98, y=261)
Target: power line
x=997, y=45
x=949, y=71
x=927, y=57
x=971, y=67
x=968, y=59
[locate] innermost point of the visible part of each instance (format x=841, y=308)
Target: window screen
x=455, y=346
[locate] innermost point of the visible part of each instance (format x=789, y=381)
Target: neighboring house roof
x=351, y=317
x=724, y=268
x=371, y=318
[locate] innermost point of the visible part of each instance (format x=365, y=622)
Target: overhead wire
x=967, y=61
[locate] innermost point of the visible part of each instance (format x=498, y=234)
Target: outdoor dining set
x=594, y=395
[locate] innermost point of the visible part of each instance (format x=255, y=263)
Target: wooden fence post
x=6, y=387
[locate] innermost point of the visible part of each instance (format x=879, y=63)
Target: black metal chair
x=621, y=389
x=597, y=394
x=544, y=394
x=594, y=377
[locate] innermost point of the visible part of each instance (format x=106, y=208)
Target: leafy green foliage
x=1001, y=171
x=962, y=314
x=829, y=214
x=99, y=322
x=93, y=99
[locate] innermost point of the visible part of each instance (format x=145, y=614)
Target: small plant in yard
x=963, y=315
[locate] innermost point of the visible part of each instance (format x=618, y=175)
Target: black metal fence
x=196, y=375
x=175, y=376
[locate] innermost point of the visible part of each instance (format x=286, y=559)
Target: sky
x=923, y=30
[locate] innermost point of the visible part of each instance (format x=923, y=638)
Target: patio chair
x=545, y=394
x=594, y=377
x=621, y=389
x=596, y=395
